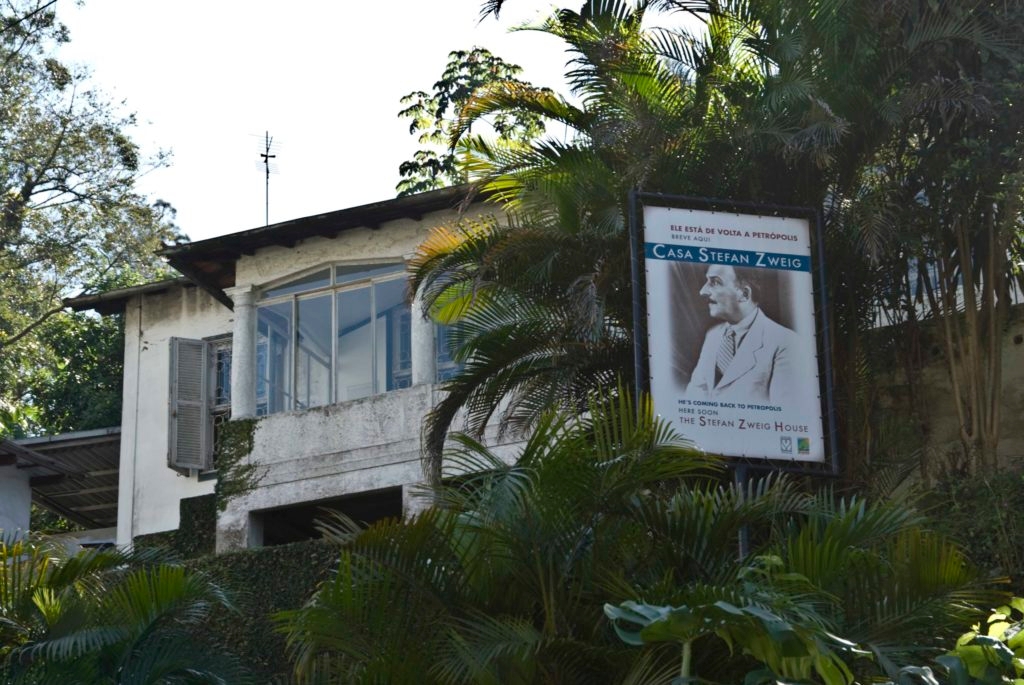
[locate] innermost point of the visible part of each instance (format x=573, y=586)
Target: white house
x=304, y=325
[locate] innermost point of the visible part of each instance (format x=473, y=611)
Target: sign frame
x=638, y=201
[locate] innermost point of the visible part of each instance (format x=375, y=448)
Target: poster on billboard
x=732, y=349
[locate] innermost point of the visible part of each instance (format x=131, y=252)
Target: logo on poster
x=786, y=444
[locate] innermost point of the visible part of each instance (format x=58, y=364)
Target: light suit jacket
x=761, y=370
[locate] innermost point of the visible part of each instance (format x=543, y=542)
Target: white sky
x=208, y=78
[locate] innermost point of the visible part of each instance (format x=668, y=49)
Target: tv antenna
x=268, y=167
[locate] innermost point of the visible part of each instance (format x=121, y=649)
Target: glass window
x=313, y=281
x=348, y=274
x=313, y=351
x=447, y=367
x=355, y=344
x=273, y=357
x=221, y=359
x=393, y=336
x=351, y=341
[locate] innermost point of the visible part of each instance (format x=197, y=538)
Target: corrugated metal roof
x=73, y=474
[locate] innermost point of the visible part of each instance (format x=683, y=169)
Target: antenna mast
x=266, y=164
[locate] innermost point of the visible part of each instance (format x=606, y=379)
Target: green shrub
x=196, y=535
x=983, y=514
x=262, y=582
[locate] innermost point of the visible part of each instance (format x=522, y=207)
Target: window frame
x=446, y=366
x=290, y=400
x=198, y=356
x=215, y=345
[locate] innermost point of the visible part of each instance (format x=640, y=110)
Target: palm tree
x=797, y=103
x=543, y=302
x=505, y=579
x=502, y=581
x=104, y=616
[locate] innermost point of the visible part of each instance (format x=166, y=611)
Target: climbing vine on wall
x=236, y=475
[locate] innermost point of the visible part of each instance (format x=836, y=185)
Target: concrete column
x=15, y=502
x=243, y=353
x=237, y=527
x=424, y=356
x=131, y=390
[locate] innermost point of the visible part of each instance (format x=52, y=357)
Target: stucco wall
x=312, y=455
x=15, y=502
x=337, y=450
x=149, y=491
x=332, y=451
x=940, y=408
x=392, y=241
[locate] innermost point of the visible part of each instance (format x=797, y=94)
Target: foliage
x=76, y=384
x=236, y=475
x=70, y=219
x=196, y=534
x=16, y=420
x=982, y=512
x=543, y=335
x=432, y=115
x=103, y=616
x=262, y=582
x=45, y=522
x=853, y=107
x=758, y=625
x=504, y=580
x=954, y=182
x=993, y=651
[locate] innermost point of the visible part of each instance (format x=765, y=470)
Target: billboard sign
x=733, y=355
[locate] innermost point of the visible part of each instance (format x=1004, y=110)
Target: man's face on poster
x=723, y=294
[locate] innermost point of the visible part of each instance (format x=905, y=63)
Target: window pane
x=394, y=340
x=313, y=352
x=355, y=345
x=348, y=274
x=300, y=285
x=273, y=357
x=221, y=374
x=447, y=367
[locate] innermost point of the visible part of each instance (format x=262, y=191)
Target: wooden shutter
x=191, y=427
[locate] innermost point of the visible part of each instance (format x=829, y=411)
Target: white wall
x=392, y=242
x=346, y=448
x=15, y=501
x=150, y=491
x=322, y=453
x=327, y=452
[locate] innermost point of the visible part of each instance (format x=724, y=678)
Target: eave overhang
x=210, y=263
x=114, y=301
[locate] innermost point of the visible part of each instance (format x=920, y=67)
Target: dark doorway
x=293, y=524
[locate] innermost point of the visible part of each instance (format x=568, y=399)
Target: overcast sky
x=208, y=78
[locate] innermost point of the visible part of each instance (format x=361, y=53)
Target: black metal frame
x=640, y=357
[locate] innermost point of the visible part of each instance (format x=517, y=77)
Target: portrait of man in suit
x=746, y=356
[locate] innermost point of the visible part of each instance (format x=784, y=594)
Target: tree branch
x=31, y=327
x=12, y=24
